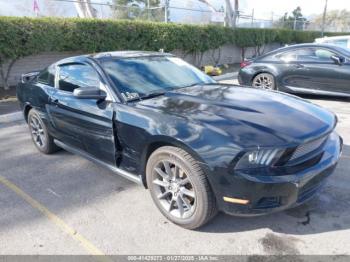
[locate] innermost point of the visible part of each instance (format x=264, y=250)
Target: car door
x=312, y=69
x=85, y=124
x=327, y=74
x=297, y=73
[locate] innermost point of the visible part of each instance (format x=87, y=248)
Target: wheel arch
x=160, y=141
x=27, y=107
x=266, y=71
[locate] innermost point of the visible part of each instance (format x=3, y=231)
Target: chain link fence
x=178, y=11
x=155, y=14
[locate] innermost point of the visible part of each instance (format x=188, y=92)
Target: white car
x=343, y=41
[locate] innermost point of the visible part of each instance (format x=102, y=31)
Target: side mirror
x=89, y=93
x=338, y=60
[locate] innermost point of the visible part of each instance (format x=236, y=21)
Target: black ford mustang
x=197, y=145
x=321, y=69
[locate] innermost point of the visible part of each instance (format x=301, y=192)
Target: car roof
x=309, y=45
x=339, y=49
x=111, y=54
x=319, y=40
x=128, y=54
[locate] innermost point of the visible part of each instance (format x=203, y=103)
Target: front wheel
x=264, y=81
x=179, y=187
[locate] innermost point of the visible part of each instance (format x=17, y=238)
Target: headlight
x=259, y=158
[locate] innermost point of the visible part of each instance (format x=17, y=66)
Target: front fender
x=140, y=132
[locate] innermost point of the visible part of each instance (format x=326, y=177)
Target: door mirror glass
x=89, y=93
x=338, y=60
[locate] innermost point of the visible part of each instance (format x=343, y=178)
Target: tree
x=336, y=21
x=85, y=9
x=137, y=9
x=17, y=41
x=295, y=21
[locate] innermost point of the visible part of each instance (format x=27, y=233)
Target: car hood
x=251, y=117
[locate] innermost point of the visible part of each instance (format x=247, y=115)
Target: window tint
x=145, y=75
x=301, y=54
x=74, y=76
x=324, y=54
x=47, y=76
x=339, y=42
x=307, y=55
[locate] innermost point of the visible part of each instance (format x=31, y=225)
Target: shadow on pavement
x=66, y=182
x=329, y=210
x=60, y=182
x=9, y=106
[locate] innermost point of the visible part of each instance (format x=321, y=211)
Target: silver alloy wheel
x=264, y=81
x=37, y=131
x=174, y=189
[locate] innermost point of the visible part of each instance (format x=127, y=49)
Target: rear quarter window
x=47, y=76
x=267, y=58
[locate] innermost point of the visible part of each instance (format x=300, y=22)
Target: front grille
x=311, y=187
x=308, y=192
x=307, y=148
x=268, y=202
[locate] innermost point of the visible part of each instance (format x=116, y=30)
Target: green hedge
x=25, y=36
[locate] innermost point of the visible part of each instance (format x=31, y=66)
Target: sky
x=264, y=8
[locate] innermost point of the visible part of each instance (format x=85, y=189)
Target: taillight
x=245, y=63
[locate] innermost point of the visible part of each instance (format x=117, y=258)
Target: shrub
x=27, y=36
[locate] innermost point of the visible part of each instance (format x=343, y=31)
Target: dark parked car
x=306, y=68
x=197, y=145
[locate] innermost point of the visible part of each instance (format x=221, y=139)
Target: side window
x=307, y=55
x=47, y=76
x=339, y=42
x=72, y=76
x=324, y=55
x=298, y=55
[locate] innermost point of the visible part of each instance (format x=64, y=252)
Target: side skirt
x=132, y=177
x=300, y=90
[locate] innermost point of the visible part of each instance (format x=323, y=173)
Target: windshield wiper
x=197, y=84
x=162, y=92
x=152, y=94
x=146, y=96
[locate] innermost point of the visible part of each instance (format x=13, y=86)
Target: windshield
x=141, y=76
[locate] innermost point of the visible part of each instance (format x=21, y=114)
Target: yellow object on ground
x=212, y=70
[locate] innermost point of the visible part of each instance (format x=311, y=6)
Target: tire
x=184, y=197
x=264, y=81
x=42, y=140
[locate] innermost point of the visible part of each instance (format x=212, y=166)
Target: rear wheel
x=40, y=136
x=180, y=188
x=264, y=81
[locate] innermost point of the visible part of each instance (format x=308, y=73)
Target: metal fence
x=178, y=11
x=156, y=14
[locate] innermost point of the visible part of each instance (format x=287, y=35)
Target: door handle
x=299, y=66
x=54, y=100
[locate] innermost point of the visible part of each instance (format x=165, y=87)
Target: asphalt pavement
x=8, y=106
x=64, y=204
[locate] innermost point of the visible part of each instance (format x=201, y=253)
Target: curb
x=226, y=76
x=12, y=117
